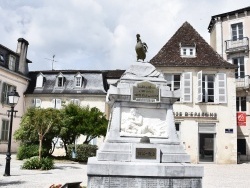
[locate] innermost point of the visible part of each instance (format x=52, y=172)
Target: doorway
x=206, y=147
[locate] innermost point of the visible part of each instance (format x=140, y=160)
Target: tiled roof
x=93, y=83
x=114, y=73
x=169, y=55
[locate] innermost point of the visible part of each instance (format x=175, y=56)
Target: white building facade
x=205, y=115
x=229, y=36
x=13, y=76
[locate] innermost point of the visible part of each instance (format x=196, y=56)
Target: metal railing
x=237, y=45
x=243, y=82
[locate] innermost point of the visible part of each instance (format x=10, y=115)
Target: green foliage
x=83, y=152
x=77, y=120
x=39, y=125
x=47, y=163
x=94, y=124
x=26, y=151
x=71, y=116
x=35, y=163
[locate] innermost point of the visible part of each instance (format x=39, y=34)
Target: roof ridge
x=169, y=54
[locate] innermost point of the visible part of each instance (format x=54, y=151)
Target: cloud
x=95, y=34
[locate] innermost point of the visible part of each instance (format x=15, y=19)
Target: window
x=184, y=51
x=4, y=130
x=173, y=81
x=78, y=80
x=5, y=89
x=212, y=87
x=207, y=88
x=241, y=104
x=60, y=80
x=37, y=103
x=240, y=72
x=237, y=31
x=183, y=81
x=12, y=65
x=39, y=80
x=56, y=103
x=191, y=51
x=75, y=101
x=188, y=51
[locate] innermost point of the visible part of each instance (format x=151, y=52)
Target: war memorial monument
x=141, y=148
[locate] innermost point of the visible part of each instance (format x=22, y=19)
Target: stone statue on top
x=141, y=48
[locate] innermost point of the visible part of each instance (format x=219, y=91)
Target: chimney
x=22, y=48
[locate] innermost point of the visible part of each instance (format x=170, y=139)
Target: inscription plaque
x=146, y=92
x=126, y=182
x=145, y=153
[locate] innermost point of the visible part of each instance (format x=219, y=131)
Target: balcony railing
x=243, y=83
x=237, y=45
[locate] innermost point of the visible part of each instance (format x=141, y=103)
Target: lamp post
x=13, y=97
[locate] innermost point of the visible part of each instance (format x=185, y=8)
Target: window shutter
x=221, y=87
x=54, y=103
x=187, y=87
x=38, y=102
x=58, y=103
x=199, y=79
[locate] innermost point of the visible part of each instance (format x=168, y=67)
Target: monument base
x=139, y=175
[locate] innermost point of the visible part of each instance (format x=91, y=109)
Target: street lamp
x=13, y=97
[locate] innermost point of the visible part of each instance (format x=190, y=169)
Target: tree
x=94, y=124
x=77, y=120
x=71, y=116
x=37, y=121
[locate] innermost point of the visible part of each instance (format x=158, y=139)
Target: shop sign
x=195, y=114
x=241, y=119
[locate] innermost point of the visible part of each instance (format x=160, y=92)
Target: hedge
x=83, y=152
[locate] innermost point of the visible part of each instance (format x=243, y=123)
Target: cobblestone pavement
x=216, y=176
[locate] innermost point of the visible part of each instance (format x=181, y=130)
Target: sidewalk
x=64, y=172
x=216, y=176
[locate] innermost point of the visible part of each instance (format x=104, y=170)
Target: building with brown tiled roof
x=229, y=36
x=205, y=114
x=187, y=36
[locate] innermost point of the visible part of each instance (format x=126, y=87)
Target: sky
x=100, y=34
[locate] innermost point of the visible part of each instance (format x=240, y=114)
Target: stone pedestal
x=142, y=148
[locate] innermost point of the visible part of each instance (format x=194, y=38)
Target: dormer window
x=78, y=80
x=60, y=80
x=39, y=80
x=188, y=50
x=12, y=65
